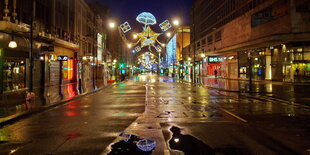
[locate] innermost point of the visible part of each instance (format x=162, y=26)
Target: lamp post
x=31, y=95
x=194, y=64
x=111, y=26
x=176, y=23
x=158, y=66
x=250, y=69
x=182, y=76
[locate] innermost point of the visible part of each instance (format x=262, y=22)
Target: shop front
x=87, y=73
x=13, y=64
x=256, y=59
x=62, y=64
x=215, y=66
x=296, y=62
x=231, y=65
x=225, y=66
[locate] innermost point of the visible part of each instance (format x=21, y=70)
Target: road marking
x=234, y=115
x=281, y=101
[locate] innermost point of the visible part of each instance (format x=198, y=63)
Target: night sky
x=127, y=10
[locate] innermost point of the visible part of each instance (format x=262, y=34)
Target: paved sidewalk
x=296, y=92
x=13, y=105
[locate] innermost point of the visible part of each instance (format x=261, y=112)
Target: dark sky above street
x=127, y=10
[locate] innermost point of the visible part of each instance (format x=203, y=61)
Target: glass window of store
x=14, y=74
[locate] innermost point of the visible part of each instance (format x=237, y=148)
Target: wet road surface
x=83, y=126
x=174, y=115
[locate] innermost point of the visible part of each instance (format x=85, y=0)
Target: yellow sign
x=53, y=57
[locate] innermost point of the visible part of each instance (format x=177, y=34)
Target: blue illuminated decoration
x=146, y=18
x=171, y=51
x=158, y=48
x=125, y=27
x=164, y=26
x=138, y=48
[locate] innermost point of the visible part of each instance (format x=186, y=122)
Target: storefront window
x=68, y=70
x=14, y=75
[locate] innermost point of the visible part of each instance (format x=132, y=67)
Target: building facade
x=265, y=39
x=174, y=54
x=68, y=44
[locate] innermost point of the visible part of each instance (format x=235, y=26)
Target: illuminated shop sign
x=100, y=48
x=62, y=58
x=214, y=59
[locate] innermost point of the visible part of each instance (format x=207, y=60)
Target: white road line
x=234, y=115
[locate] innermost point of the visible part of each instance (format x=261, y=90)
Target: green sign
x=308, y=67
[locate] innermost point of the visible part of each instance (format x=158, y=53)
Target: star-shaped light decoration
x=148, y=37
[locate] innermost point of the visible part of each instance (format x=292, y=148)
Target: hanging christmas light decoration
x=146, y=38
x=125, y=27
x=147, y=60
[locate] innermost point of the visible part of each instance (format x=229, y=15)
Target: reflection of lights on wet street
x=85, y=106
x=269, y=87
x=4, y=135
x=85, y=113
x=122, y=85
x=169, y=119
x=269, y=107
x=143, y=78
x=176, y=140
x=13, y=151
x=71, y=113
x=71, y=106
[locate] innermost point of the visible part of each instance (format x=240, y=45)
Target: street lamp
x=129, y=45
x=168, y=34
x=135, y=36
x=112, y=25
x=202, y=55
x=176, y=22
x=12, y=44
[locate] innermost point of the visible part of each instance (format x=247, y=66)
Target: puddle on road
x=191, y=145
x=133, y=145
x=188, y=144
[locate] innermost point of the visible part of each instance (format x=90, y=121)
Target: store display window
x=14, y=74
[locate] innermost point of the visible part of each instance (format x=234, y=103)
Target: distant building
x=270, y=36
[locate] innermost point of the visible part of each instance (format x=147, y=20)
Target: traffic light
x=121, y=65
